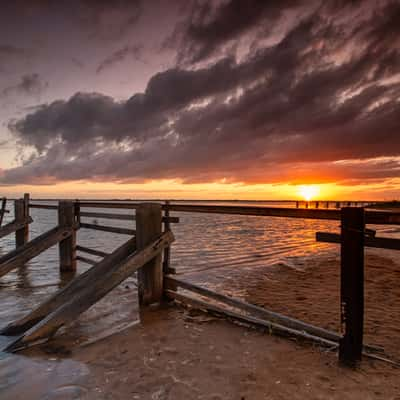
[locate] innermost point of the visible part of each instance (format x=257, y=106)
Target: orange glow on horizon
x=175, y=189
x=309, y=192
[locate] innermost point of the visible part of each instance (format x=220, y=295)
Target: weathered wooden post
x=21, y=214
x=297, y=204
x=167, y=252
x=67, y=247
x=352, y=285
x=150, y=276
x=2, y=209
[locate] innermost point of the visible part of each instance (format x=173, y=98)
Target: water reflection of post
x=23, y=281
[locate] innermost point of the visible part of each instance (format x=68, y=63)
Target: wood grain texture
x=92, y=293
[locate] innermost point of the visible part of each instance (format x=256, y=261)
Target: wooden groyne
x=147, y=252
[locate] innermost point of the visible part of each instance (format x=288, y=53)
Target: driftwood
x=73, y=287
x=271, y=326
x=112, y=229
x=13, y=226
x=274, y=328
x=84, y=299
x=271, y=316
x=378, y=242
x=31, y=249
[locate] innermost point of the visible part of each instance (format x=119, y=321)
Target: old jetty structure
x=148, y=250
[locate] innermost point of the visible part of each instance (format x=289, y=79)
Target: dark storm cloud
x=326, y=91
x=212, y=24
x=120, y=55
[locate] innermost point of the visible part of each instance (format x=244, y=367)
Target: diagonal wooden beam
x=103, y=284
x=31, y=249
x=13, y=226
x=67, y=292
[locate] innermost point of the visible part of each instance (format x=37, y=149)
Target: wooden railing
x=141, y=253
x=154, y=272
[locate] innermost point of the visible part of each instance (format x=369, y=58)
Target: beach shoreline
x=176, y=353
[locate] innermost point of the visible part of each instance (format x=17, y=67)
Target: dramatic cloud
x=213, y=25
x=318, y=99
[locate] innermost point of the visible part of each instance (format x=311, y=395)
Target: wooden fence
x=148, y=252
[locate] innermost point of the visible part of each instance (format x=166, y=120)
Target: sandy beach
x=177, y=353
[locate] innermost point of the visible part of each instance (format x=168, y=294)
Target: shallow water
x=209, y=249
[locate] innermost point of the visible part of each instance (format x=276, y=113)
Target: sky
x=230, y=99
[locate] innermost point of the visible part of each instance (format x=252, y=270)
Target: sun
x=308, y=192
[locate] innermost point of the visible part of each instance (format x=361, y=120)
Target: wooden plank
x=257, y=311
x=92, y=251
x=67, y=247
x=68, y=291
x=13, y=226
x=94, y=204
x=232, y=315
x=377, y=242
x=372, y=217
x=150, y=277
x=261, y=312
x=101, y=286
x=86, y=260
x=31, y=249
x=43, y=206
x=112, y=229
x=352, y=285
x=124, y=217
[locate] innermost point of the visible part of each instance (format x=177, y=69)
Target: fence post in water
x=2, y=209
x=352, y=284
x=21, y=213
x=67, y=247
x=167, y=251
x=150, y=276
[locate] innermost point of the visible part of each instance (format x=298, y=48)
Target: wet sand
x=177, y=354
x=312, y=293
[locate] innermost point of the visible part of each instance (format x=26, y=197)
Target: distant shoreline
x=370, y=202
